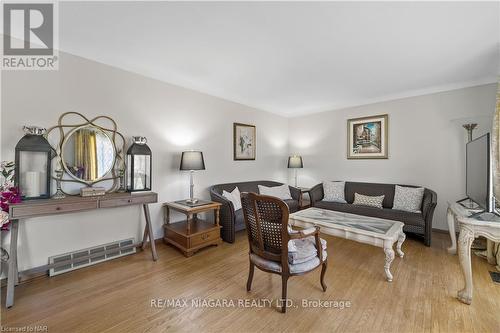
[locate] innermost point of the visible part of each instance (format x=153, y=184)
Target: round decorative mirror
x=88, y=154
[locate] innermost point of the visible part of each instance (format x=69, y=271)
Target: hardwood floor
x=116, y=296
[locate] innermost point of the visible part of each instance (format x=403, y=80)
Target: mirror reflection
x=88, y=153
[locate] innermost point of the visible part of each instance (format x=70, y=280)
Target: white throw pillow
x=370, y=201
x=282, y=192
x=234, y=197
x=334, y=192
x=408, y=199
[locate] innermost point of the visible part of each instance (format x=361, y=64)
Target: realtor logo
x=29, y=36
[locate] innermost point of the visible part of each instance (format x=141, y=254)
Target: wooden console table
x=470, y=228
x=36, y=208
x=192, y=234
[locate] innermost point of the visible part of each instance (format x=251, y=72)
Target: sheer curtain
x=493, y=248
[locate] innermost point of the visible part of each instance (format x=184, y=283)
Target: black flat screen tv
x=479, y=183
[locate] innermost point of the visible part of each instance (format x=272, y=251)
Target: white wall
x=426, y=143
x=426, y=146
x=172, y=118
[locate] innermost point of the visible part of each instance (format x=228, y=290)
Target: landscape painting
x=244, y=142
x=367, y=137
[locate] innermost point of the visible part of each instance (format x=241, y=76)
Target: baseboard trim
x=37, y=272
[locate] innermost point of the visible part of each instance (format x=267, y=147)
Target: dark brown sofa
x=232, y=221
x=417, y=223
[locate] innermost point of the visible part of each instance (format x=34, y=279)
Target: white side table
x=469, y=229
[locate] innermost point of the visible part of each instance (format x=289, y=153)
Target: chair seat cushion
x=304, y=249
x=275, y=266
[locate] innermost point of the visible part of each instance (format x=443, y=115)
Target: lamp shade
x=192, y=160
x=295, y=161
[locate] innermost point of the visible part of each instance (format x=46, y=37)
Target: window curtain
x=86, y=154
x=493, y=249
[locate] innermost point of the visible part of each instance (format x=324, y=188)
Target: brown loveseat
x=232, y=221
x=417, y=223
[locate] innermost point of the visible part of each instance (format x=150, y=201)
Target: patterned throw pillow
x=334, y=192
x=408, y=198
x=282, y=192
x=366, y=200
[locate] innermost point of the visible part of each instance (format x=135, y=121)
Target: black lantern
x=33, y=164
x=139, y=166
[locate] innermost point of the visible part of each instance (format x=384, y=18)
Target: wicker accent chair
x=269, y=236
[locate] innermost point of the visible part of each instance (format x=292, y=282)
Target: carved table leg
x=451, y=227
x=389, y=257
x=12, y=275
x=464, y=243
x=401, y=239
x=490, y=252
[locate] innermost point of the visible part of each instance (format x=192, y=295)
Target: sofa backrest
x=244, y=186
x=372, y=189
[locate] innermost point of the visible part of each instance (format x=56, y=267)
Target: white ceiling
x=292, y=58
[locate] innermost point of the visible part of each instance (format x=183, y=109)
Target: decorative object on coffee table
x=363, y=229
x=193, y=233
x=139, y=166
x=244, y=142
x=295, y=162
x=192, y=161
x=367, y=137
x=34, y=164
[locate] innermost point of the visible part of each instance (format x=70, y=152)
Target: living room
x=357, y=126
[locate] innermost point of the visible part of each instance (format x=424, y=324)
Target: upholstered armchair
x=275, y=248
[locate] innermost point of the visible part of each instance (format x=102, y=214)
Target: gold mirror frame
x=103, y=123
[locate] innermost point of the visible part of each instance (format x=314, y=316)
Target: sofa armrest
x=220, y=199
x=227, y=216
x=429, y=203
x=295, y=192
x=316, y=194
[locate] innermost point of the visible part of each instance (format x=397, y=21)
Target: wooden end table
x=194, y=233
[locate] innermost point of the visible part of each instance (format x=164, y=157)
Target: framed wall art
x=244, y=142
x=367, y=137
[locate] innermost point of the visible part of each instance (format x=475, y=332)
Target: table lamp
x=295, y=162
x=192, y=161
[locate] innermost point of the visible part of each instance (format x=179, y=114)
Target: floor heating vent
x=91, y=256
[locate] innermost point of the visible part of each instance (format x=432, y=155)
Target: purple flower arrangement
x=10, y=195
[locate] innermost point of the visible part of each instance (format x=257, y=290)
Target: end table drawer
x=55, y=208
x=171, y=235
x=205, y=237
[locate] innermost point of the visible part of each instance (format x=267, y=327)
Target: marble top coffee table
x=363, y=229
